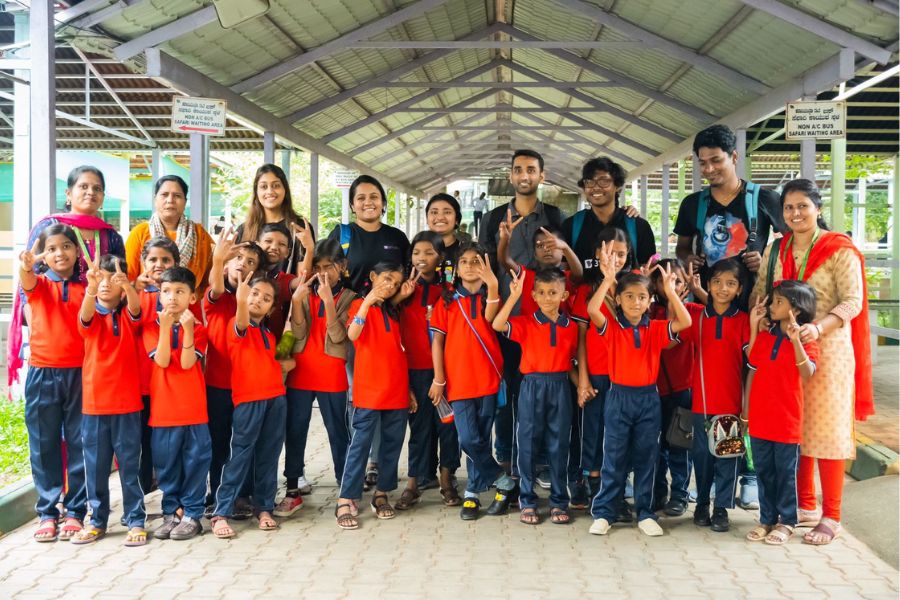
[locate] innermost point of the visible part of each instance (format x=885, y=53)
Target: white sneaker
x=650, y=527
x=304, y=486
x=600, y=527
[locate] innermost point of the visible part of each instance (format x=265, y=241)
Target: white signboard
x=198, y=115
x=344, y=177
x=816, y=120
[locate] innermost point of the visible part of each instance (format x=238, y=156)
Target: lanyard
x=806, y=256
x=84, y=248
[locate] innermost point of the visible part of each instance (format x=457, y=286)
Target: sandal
x=46, y=531
x=829, y=528
x=758, y=533
x=371, y=479
x=450, y=496
x=383, y=509
x=266, y=522
x=808, y=518
x=70, y=529
x=559, y=516
x=136, y=536
x=529, y=516
x=346, y=520
x=88, y=535
x=221, y=529
x=780, y=535
x=407, y=499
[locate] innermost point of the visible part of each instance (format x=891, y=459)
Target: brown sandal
x=346, y=520
x=221, y=529
x=383, y=509
x=450, y=496
x=407, y=499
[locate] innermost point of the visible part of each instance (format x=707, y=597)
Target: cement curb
x=17, y=505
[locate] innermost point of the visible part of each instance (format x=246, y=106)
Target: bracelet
x=803, y=362
x=494, y=301
x=359, y=321
x=186, y=347
x=438, y=383
x=819, y=328
x=94, y=295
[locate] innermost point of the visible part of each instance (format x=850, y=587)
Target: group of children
x=415, y=351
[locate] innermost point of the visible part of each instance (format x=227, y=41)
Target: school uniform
x=424, y=423
x=380, y=400
x=53, y=395
x=591, y=415
x=257, y=430
x=473, y=365
x=220, y=408
x=150, y=307
x=180, y=436
x=776, y=418
x=545, y=401
x=725, y=336
x=320, y=374
x=277, y=319
x=112, y=412
x=674, y=384
x=631, y=417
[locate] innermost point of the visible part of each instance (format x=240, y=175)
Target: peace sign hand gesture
x=507, y=226
x=29, y=258
x=758, y=312
x=301, y=292
x=242, y=293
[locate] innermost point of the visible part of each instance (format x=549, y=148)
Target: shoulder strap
x=462, y=311
x=774, y=251
x=631, y=227
x=702, y=374
x=702, y=208
x=751, y=203
x=577, y=224
x=345, y=239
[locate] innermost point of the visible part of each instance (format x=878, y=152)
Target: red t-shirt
x=257, y=375
x=177, y=396
x=595, y=344
x=547, y=346
x=380, y=377
x=149, y=309
x=55, y=341
x=527, y=305
x=414, y=325
x=724, y=339
x=316, y=370
x=634, y=352
x=110, y=379
x=469, y=370
x=776, y=395
x=218, y=313
x=676, y=363
x=278, y=317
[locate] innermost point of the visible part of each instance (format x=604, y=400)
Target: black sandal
x=383, y=510
x=450, y=496
x=560, y=516
x=407, y=499
x=345, y=520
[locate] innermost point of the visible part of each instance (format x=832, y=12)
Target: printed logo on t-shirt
x=391, y=247
x=723, y=236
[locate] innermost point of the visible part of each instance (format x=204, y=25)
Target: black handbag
x=680, y=433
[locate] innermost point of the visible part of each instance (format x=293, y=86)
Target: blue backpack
x=345, y=239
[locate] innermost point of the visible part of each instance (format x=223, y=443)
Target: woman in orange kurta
x=194, y=243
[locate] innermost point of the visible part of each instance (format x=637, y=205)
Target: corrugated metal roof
x=749, y=42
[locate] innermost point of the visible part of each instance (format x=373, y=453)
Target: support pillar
x=644, y=196
x=43, y=108
x=269, y=147
x=314, y=190
x=407, y=225
x=22, y=210
x=681, y=178
x=838, y=183
x=399, y=199
x=894, y=199
x=155, y=165
x=696, y=179
x=741, y=147
x=664, y=216
x=345, y=205
x=286, y=163
x=808, y=155
x=859, y=215
x=200, y=179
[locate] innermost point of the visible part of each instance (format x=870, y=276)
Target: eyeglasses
x=600, y=182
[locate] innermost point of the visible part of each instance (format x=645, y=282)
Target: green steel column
x=895, y=241
x=681, y=171
x=838, y=183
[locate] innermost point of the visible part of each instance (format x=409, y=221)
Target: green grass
x=14, y=462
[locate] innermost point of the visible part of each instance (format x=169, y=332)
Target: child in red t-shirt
x=53, y=386
x=318, y=322
x=426, y=256
x=275, y=240
x=230, y=263
x=593, y=368
x=157, y=255
x=632, y=411
x=779, y=364
x=719, y=335
x=468, y=367
x=381, y=396
x=109, y=321
x=257, y=390
x=180, y=437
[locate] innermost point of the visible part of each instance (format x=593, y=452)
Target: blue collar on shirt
x=335, y=292
x=710, y=313
x=115, y=312
x=52, y=276
x=561, y=321
x=780, y=336
x=635, y=329
x=462, y=292
x=262, y=331
x=176, y=329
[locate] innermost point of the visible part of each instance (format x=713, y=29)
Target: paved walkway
x=430, y=553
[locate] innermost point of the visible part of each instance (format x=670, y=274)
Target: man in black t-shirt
x=727, y=229
x=602, y=181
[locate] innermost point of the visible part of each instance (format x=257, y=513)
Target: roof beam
x=378, y=80
x=425, y=140
x=824, y=76
x=169, y=31
x=500, y=85
x=593, y=143
x=492, y=44
x=79, y=9
x=193, y=83
x=406, y=104
x=104, y=14
x=821, y=28
x=623, y=80
x=298, y=61
x=656, y=42
x=886, y=6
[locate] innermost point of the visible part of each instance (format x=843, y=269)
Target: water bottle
x=285, y=345
x=445, y=413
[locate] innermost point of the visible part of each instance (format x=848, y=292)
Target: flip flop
x=780, y=535
x=88, y=535
x=46, y=532
x=832, y=530
x=221, y=529
x=267, y=523
x=136, y=536
x=758, y=533
x=70, y=529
